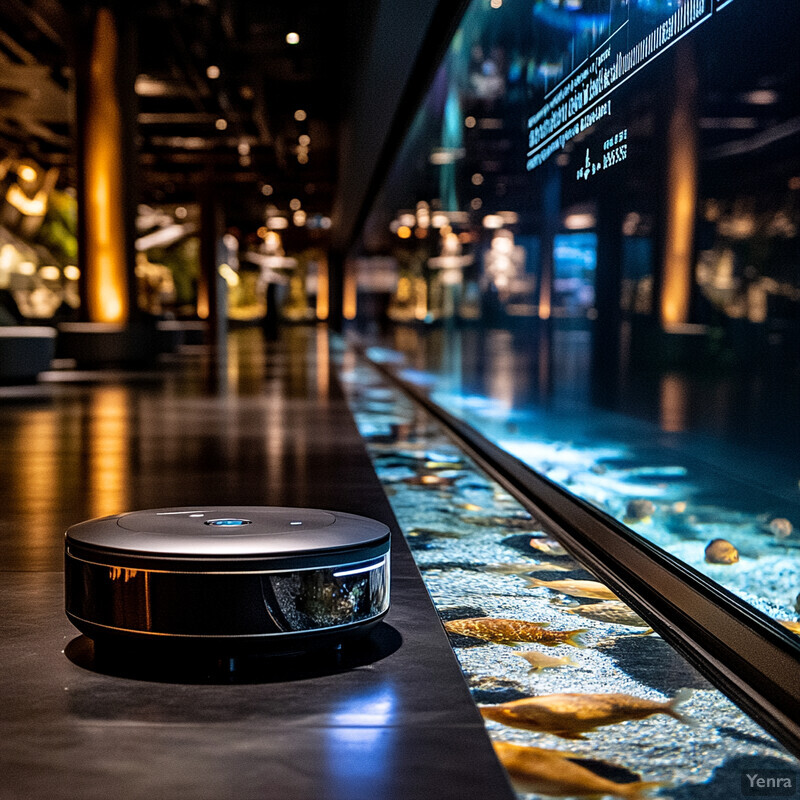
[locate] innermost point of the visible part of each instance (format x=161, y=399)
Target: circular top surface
x=228, y=531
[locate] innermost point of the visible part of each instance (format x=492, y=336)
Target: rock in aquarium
x=781, y=528
x=721, y=551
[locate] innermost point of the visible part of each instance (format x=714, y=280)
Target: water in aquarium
x=581, y=698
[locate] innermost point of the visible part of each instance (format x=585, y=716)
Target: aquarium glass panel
x=593, y=227
x=580, y=697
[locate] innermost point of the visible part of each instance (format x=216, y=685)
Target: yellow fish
x=557, y=774
x=513, y=631
x=521, y=568
x=592, y=589
x=572, y=715
x=613, y=611
x=539, y=660
x=794, y=627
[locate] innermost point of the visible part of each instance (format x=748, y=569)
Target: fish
x=559, y=774
x=539, y=661
x=513, y=631
x=547, y=546
x=639, y=510
x=577, y=588
x=794, y=627
x=571, y=715
x=613, y=611
x=721, y=551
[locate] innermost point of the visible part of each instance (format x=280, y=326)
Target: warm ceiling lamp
x=300, y=115
x=292, y=38
x=212, y=71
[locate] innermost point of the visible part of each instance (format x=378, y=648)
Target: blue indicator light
x=227, y=523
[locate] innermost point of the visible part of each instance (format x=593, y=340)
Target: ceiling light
x=267, y=190
x=470, y=122
x=295, y=204
x=477, y=179
x=304, y=140
x=299, y=218
x=243, y=148
x=245, y=161
x=325, y=223
x=212, y=71
x=404, y=232
x=71, y=272
x=181, y=212
x=277, y=223
x=300, y=115
x=221, y=124
x=496, y=3
x=302, y=158
x=292, y=38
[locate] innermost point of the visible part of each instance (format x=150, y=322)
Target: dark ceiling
x=239, y=129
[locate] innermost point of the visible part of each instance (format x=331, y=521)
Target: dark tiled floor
x=390, y=717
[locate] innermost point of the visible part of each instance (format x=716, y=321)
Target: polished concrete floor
x=265, y=424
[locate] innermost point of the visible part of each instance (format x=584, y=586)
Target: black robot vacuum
x=254, y=578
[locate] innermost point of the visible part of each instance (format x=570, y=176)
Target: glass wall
x=591, y=240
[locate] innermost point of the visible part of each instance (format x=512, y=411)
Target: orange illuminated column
x=349, y=301
x=681, y=198
x=105, y=102
x=323, y=287
x=104, y=254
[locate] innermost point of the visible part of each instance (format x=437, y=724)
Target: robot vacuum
x=254, y=578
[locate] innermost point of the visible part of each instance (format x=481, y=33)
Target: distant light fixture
x=299, y=218
x=49, y=273
x=409, y=220
x=302, y=158
x=221, y=124
x=470, y=122
x=212, y=71
x=71, y=272
x=496, y=3
x=325, y=223
x=439, y=220
x=579, y=222
x=477, y=179
x=446, y=155
x=246, y=92
x=761, y=97
x=304, y=140
x=267, y=190
x=292, y=38
x=295, y=203
x=181, y=212
x=277, y=223
x=27, y=173
x=508, y=217
x=243, y=148
x=245, y=161
x=262, y=232
x=300, y=115
x=404, y=232
x=27, y=268
x=493, y=222
x=794, y=182
x=476, y=203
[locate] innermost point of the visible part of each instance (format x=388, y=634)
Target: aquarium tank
x=592, y=223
